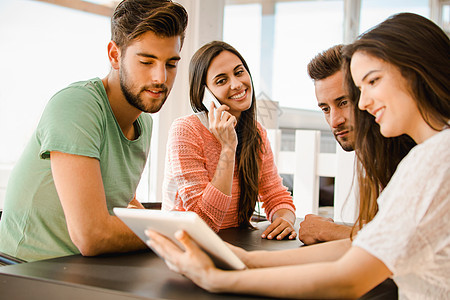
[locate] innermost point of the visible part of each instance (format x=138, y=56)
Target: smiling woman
x=230, y=82
x=219, y=164
x=391, y=104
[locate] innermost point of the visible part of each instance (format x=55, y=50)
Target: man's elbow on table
x=90, y=243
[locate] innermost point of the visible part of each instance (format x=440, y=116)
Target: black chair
x=152, y=205
x=387, y=290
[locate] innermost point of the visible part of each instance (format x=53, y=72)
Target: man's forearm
x=117, y=238
x=315, y=229
x=334, y=231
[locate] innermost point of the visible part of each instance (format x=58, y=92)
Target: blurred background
x=48, y=44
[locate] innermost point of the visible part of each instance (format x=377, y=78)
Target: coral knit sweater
x=191, y=159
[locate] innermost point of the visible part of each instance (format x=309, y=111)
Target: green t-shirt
x=77, y=120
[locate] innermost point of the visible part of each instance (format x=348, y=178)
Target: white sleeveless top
x=411, y=232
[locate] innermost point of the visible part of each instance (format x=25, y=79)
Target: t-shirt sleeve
x=410, y=230
x=71, y=123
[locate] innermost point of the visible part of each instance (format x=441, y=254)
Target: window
x=298, y=30
x=446, y=17
x=376, y=11
x=46, y=47
x=302, y=29
x=242, y=30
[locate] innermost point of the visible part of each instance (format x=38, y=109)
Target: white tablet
x=168, y=222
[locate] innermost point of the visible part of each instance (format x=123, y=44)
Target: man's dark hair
x=326, y=63
x=133, y=18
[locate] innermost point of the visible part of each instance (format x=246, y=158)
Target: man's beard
x=346, y=143
x=135, y=100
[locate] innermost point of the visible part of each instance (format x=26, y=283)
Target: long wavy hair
x=249, y=148
x=420, y=50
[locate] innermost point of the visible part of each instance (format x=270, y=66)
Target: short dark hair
x=132, y=18
x=326, y=63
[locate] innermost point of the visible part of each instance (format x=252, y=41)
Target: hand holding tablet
x=169, y=222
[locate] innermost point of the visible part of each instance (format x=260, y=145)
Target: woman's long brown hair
x=420, y=50
x=377, y=160
x=249, y=148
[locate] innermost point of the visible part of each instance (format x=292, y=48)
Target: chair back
x=307, y=164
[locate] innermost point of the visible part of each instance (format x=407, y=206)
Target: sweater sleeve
x=273, y=193
x=188, y=161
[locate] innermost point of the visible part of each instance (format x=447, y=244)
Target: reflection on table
x=138, y=275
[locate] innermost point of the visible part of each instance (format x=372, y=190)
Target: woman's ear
x=114, y=54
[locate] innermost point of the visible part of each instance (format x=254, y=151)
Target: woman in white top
x=401, y=69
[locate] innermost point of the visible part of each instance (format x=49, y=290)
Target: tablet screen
x=168, y=222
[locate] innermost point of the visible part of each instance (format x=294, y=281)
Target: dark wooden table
x=138, y=275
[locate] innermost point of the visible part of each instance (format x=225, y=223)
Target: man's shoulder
x=82, y=104
x=86, y=96
x=89, y=83
x=82, y=90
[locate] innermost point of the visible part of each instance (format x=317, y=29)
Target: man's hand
x=135, y=204
x=315, y=229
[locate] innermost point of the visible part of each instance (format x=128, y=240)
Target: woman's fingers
x=232, y=120
x=221, y=111
x=279, y=229
x=287, y=231
x=186, y=241
x=219, y=114
x=162, y=244
x=221, y=124
x=212, y=107
x=165, y=248
x=191, y=262
x=211, y=116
